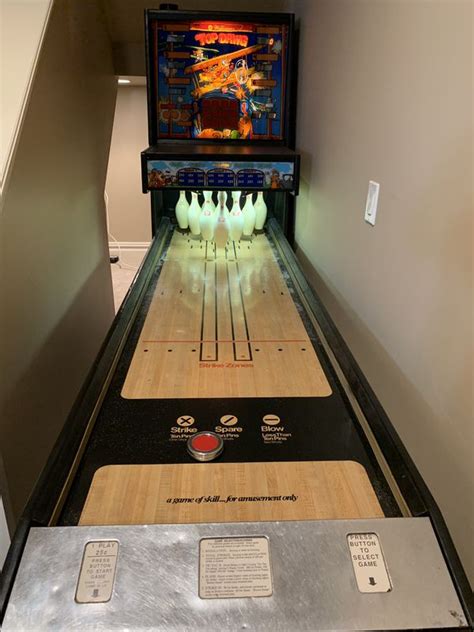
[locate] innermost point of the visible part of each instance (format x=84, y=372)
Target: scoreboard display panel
x=218, y=79
x=199, y=174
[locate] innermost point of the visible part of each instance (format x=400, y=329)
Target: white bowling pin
x=194, y=213
x=181, y=210
x=221, y=231
x=260, y=211
x=236, y=220
x=249, y=215
x=236, y=197
x=207, y=222
x=224, y=196
x=208, y=202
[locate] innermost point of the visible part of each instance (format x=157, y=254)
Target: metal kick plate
x=314, y=584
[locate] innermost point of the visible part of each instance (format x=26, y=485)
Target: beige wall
x=385, y=93
x=56, y=296
x=129, y=209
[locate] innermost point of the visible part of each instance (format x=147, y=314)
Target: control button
x=205, y=446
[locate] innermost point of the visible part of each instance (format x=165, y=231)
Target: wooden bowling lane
x=223, y=325
x=229, y=492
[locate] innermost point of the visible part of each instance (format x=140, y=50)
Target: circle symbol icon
x=271, y=420
x=229, y=420
x=185, y=420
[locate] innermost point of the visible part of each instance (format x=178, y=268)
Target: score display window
x=220, y=178
x=250, y=178
x=190, y=177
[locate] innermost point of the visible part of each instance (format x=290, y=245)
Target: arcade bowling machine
x=227, y=465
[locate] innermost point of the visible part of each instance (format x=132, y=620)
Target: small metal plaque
x=368, y=563
x=234, y=567
x=97, y=574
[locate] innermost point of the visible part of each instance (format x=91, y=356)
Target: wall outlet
x=372, y=201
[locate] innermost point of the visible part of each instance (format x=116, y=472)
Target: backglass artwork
x=219, y=79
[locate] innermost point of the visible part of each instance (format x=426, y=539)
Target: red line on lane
x=214, y=341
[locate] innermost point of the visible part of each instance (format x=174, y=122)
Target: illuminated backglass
x=219, y=79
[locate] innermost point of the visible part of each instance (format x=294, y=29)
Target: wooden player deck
x=230, y=492
x=223, y=326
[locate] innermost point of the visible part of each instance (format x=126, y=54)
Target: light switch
x=372, y=201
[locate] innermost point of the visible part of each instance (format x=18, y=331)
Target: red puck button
x=205, y=446
x=204, y=443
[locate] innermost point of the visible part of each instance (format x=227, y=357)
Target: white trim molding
x=24, y=69
x=129, y=245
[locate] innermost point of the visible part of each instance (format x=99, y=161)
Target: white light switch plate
x=372, y=201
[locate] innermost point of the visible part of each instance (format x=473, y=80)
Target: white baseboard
x=129, y=245
x=4, y=535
